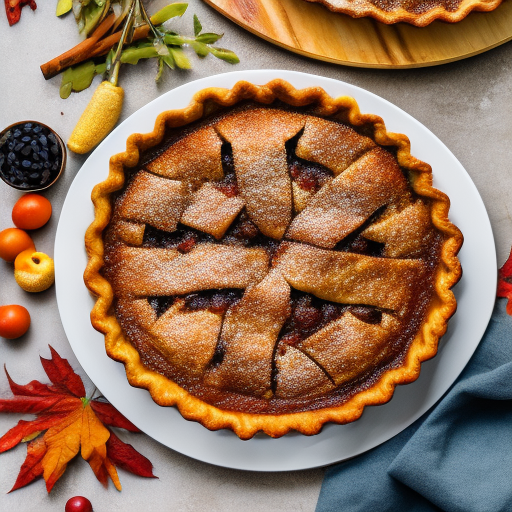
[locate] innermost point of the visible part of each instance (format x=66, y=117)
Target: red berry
x=78, y=504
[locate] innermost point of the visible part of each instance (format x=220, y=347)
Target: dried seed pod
x=98, y=118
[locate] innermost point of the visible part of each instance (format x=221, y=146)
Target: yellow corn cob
x=98, y=118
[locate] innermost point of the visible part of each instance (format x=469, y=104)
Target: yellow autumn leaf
x=103, y=468
x=94, y=434
x=111, y=470
x=63, y=443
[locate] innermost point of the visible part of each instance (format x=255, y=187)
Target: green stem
x=92, y=394
x=147, y=19
x=113, y=76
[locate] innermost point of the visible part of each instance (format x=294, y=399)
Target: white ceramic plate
x=475, y=295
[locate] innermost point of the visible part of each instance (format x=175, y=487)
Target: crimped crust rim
x=166, y=392
x=418, y=20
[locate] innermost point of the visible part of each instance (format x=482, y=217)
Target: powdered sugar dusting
x=156, y=201
x=348, y=200
x=258, y=139
x=211, y=211
x=242, y=220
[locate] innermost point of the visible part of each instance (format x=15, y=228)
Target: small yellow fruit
x=34, y=271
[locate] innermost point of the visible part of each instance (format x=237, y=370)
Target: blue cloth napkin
x=455, y=458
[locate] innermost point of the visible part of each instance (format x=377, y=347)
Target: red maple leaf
x=71, y=422
x=505, y=282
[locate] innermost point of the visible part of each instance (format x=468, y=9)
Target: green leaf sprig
x=163, y=44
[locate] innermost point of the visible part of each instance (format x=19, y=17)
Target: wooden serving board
x=314, y=31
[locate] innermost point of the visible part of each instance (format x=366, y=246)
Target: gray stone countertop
x=467, y=104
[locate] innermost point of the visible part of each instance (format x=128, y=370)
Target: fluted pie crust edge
x=363, y=8
x=166, y=392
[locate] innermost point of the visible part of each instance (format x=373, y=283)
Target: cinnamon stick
x=80, y=52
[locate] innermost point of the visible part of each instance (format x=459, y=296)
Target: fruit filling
x=309, y=176
x=227, y=185
x=216, y=301
x=184, y=239
x=310, y=314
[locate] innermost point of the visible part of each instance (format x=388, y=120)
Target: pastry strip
x=187, y=338
x=258, y=141
x=182, y=160
x=211, y=211
x=298, y=375
x=248, y=336
x=405, y=234
x=350, y=278
x=165, y=272
x=348, y=200
x=348, y=347
x=332, y=145
x=152, y=200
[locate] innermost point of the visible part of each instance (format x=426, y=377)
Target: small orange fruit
x=31, y=211
x=12, y=242
x=14, y=321
x=34, y=271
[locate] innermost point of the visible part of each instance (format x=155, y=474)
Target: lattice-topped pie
x=270, y=259
x=416, y=12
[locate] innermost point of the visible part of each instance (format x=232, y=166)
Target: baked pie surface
x=270, y=259
x=416, y=12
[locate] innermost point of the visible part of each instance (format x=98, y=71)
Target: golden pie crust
x=265, y=380
x=416, y=12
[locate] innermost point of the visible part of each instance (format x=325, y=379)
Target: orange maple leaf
x=72, y=423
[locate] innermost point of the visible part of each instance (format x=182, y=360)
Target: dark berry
x=307, y=317
x=330, y=312
x=194, y=301
x=367, y=314
x=46, y=175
